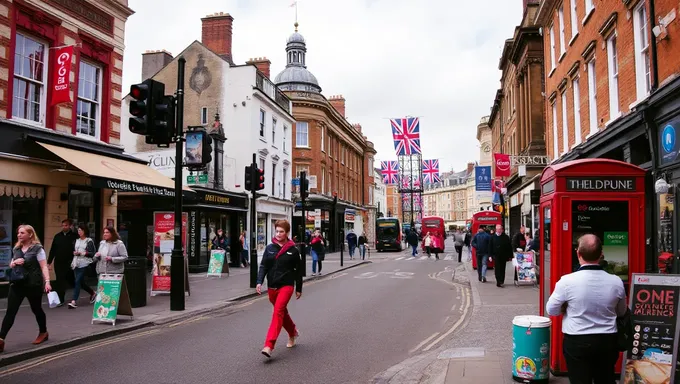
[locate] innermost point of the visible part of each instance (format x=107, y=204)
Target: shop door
x=84, y=207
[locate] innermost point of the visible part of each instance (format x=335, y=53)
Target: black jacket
x=61, y=251
x=412, y=238
x=519, y=241
x=284, y=270
x=501, y=248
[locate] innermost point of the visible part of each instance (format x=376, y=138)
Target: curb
x=20, y=356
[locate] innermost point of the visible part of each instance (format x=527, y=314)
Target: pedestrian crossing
x=423, y=258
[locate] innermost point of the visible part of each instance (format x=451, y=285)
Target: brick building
x=451, y=198
x=60, y=103
x=613, y=91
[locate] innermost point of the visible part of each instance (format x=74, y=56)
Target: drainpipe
x=655, y=65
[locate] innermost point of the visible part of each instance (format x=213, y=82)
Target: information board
x=112, y=299
x=216, y=262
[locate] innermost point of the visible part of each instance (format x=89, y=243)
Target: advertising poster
x=5, y=241
x=112, y=299
x=194, y=148
x=163, y=242
x=653, y=305
x=524, y=264
x=216, y=263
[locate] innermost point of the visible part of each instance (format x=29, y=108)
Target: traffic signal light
x=207, y=149
x=140, y=122
x=153, y=113
x=164, y=119
x=249, y=178
x=304, y=186
x=259, y=179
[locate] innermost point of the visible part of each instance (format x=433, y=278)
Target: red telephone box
x=599, y=196
x=484, y=218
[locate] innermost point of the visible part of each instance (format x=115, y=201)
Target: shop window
x=18, y=207
x=261, y=233
x=89, y=100
x=665, y=235
x=81, y=209
x=30, y=76
x=211, y=222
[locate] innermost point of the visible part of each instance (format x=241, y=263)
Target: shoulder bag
x=624, y=326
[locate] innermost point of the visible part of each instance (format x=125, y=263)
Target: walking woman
x=244, y=250
x=427, y=241
x=112, y=253
x=29, y=278
x=318, y=251
x=282, y=265
x=82, y=258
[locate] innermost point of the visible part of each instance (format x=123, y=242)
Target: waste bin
x=135, y=279
x=531, y=349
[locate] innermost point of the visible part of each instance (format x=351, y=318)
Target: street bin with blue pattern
x=531, y=349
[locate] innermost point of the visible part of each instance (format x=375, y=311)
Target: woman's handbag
x=624, y=326
x=17, y=273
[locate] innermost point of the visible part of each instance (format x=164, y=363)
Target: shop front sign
x=218, y=199
x=129, y=186
x=601, y=184
x=668, y=142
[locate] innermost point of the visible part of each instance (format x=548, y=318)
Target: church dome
x=296, y=76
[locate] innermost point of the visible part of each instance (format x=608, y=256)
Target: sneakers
x=313, y=273
x=42, y=337
x=72, y=305
x=291, y=340
x=267, y=351
x=483, y=279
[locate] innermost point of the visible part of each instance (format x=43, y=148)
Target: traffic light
x=259, y=179
x=140, y=122
x=304, y=186
x=207, y=149
x=249, y=178
x=164, y=119
x=153, y=113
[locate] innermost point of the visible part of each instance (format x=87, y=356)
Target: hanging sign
x=501, y=163
x=61, y=76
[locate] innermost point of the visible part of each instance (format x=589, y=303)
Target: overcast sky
x=437, y=59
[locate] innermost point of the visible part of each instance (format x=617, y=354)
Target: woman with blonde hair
x=112, y=253
x=29, y=278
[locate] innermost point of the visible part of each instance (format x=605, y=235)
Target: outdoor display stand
x=112, y=299
x=216, y=263
x=525, y=267
x=591, y=196
x=486, y=218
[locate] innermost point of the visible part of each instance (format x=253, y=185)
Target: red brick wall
x=668, y=48
x=216, y=33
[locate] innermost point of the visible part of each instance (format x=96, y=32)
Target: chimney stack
x=216, y=34
x=262, y=64
x=154, y=61
x=338, y=102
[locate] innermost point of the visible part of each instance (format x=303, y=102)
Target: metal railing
x=270, y=89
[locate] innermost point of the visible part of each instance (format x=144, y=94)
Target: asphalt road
x=353, y=325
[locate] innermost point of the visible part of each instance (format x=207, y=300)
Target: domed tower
x=296, y=76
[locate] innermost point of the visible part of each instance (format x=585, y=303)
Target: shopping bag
x=53, y=299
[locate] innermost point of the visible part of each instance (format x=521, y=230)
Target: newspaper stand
x=525, y=268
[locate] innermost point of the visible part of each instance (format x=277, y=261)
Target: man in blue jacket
x=481, y=242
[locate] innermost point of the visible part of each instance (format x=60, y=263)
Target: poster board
x=112, y=299
x=216, y=264
x=525, y=267
x=653, y=304
x=163, y=242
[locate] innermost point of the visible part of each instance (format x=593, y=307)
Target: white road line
x=400, y=258
x=409, y=258
x=449, y=257
x=455, y=326
x=417, y=347
x=338, y=275
x=423, y=257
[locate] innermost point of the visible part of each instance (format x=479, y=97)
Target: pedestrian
x=61, y=256
x=82, y=257
x=362, y=246
x=519, y=241
x=318, y=246
x=501, y=251
x=221, y=241
x=283, y=267
x=412, y=240
x=590, y=300
x=244, y=250
x=481, y=243
x=351, y=243
x=427, y=243
x=458, y=242
x=112, y=253
x=468, y=238
x=29, y=278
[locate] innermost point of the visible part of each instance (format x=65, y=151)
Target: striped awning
x=21, y=190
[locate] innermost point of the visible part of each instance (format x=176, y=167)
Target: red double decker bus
x=435, y=226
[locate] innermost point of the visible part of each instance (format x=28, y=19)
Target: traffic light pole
x=177, y=272
x=303, y=184
x=253, y=224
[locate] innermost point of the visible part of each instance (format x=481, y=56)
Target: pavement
x=353, y=324
x=72, y=327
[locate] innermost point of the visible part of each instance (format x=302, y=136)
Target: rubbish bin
x=135, y=279
x=531, y=349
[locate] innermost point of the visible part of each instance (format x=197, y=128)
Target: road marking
x=400, y=258
x=417, y=347
x=188, y=321
x=410, y=258
x=448, y=257
x=455, y=326
x=338, y=275
x=366, y=275
x=423, y=257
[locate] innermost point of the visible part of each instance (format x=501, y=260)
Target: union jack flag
x=406, y=135
x=406, y=182
x=390, y=171
x=431, y=171
x=417, y=201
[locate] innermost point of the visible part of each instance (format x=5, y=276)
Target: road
x=353, y=325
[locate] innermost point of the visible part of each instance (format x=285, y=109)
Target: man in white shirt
x=591, y=300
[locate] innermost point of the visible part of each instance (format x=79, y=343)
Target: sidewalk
x=72, y=327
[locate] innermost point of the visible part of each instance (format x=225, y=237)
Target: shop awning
x=21, y=190
x=113, y=173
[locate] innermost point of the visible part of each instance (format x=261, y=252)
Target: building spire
x=296, y=15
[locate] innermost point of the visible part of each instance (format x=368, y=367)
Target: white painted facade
x=379, y=193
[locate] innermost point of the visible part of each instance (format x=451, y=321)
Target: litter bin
x=531, y=349
x=135, y=279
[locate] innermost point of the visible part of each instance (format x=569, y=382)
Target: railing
x=270, y=89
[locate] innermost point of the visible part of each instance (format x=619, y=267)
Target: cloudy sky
x=436, y=59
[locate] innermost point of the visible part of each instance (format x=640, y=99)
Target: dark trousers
x=591, y=358
x=66, y=279
x=499, y=269
x=16, y=295
x=459, y=250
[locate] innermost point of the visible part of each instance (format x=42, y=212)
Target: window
x=560, y=17
x=285, y=139
x=204, y=116
x=613, y=77
x=592, y=96
x=370, y=196
x=273, y=131
x=552, y=48
x=30, y=74
x=323, y=139
x=574, y=22
x=261, y=163
x=641, y=38
x=554, y=130
x=323, y=181
x=284, y=177
x=274, y=179
x=343, y=150
x=302, y=134
x=565, y=126
x=263, y=115
x=88, y=108
x=577, y=110
x=589, y=7
x=302, y=168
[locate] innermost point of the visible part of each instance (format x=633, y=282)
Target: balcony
x=270, y=89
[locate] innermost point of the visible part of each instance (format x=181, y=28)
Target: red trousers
x=279, y=297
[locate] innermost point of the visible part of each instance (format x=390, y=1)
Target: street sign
x=295, y=181
x=197, y=179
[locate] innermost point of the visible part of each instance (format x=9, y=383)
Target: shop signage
x=501, y=165
x=654, y=313
x=486, y=218
x=87, y=13
x=668, y=142
x=191, y=247
x=128, y=186
x=349, y=215
x=163, y=243
x=197, y=179
x=530, y=160
x=483, y=179
x=111, y=300
x=232, y=201
x=61, y=90
x=601, y=184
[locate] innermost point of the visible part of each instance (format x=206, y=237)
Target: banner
x=216, y=262
x=501, y=163
x=654, y=313
x=483, y=179
x=112, y=299
x=163, y=242
x=61, y=76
